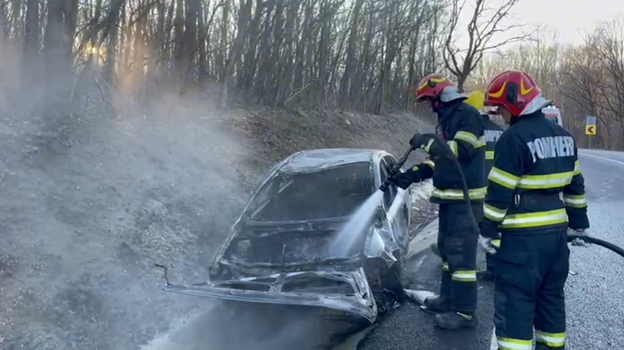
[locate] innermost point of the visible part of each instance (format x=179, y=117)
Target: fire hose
x=612, y=247
x=445, y=152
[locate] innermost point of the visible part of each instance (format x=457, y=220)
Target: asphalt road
x=595, y=288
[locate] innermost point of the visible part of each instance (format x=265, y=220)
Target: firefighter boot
x=436, y=305
x=441, y=303
x=455, y=320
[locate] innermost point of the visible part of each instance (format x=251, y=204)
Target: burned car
x=279, y=250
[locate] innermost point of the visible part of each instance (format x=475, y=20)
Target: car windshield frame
x=274, y=186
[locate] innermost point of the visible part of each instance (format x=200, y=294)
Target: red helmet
x=514, y=90
x=431, y=86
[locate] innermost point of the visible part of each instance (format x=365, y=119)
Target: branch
x=449, y=54
x=520, y=38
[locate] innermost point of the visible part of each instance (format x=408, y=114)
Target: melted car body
x=278, y=249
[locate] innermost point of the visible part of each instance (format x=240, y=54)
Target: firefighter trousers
x=457, y=242
x=531, y=271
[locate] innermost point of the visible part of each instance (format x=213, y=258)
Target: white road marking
x=603, y=158
x=423, y=240
x=494, y=342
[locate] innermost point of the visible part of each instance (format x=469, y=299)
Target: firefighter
x=462, y=128
x=535, y=193
x=492, y=133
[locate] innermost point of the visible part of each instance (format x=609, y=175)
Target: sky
x=570, y=19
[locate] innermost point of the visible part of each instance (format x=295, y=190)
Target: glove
x=404, y=180
x=419, y=141
x=486, y=245
x=578, y=242
x=489, y=230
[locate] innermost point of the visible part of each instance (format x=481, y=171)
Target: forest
x=70, y=56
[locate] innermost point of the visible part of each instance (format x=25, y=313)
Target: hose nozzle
x=395, y=170
x=384, y=186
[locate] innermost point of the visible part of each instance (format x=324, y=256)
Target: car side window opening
x=387, y=163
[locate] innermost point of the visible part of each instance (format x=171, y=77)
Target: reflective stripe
x=466, y=316
x=538, y=219
x=445, y=266
x=553, y=340
x=467, y=137
x=575, y=201
x=481, y=142
x=429, y=162
x=535, y=182
x=465, y=276
x=489, y=155
x=503, y=178
x=496, y=243
x=475, y=193
x=514, y=344
x=453, y=145
x=493, y=213
x=427, y=147
x=577, y=168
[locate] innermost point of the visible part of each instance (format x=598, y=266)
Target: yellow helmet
x=476, y=99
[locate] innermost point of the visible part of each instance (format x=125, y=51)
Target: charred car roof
x=321, y=159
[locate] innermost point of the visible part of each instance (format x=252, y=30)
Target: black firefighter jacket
x=535, y=185
x=461, y=126
x=493, y=132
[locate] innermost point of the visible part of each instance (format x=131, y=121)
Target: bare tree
x=290, y=53
x=485, y=22
x=583, y=80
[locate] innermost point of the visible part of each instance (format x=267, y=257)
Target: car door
x=398, y=217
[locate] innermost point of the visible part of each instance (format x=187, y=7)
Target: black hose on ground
x=612, y=247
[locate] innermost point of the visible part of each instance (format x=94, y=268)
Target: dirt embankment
x=88, y=207
x=279, y=133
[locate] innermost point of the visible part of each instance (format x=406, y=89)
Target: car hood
x=347, y=292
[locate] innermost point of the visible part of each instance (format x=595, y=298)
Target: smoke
x=93, y=196
x=228, y=326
